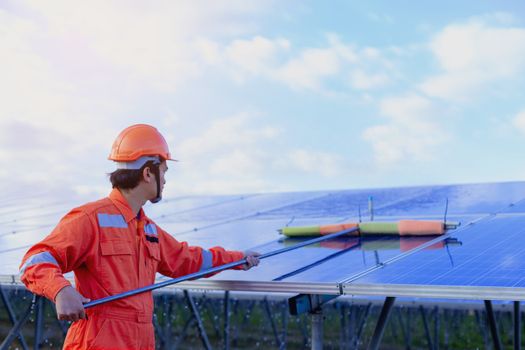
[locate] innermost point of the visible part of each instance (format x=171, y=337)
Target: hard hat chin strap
x=156, y=170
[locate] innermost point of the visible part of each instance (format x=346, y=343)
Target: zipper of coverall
x=140, y=252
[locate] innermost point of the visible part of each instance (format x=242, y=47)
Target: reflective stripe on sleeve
x=207, y=260
x=40, y=258
x=111, y=220
x=150, y=229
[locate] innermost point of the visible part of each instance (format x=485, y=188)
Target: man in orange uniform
x=113, y=247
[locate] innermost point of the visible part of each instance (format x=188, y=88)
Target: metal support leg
x=189, y=322
x=517, y=326
x=18, y=325
x=493, y=326
x=160, y=320
x=235, y=329
x=362, y=323
x=272, y=322
x=342, y=319
x=245, y=320
x=381, y=323
x=394, y=331
x=226, y=320
x=195, y=312
x=284, y=318
x=207, y=305
x=352, y=321
x=12, y=316
x=39, y=320
x=303, y=326
x=403, y=327
x=436, y=328
x=169, y=304
x=446, y=324
x=317, y=329
x=482, y=327
x=409, y=327
x=159, y=336
x=62, y=327
x=425, y=324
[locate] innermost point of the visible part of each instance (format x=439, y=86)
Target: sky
x=263, y=96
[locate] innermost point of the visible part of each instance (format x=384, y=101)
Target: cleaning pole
x=200, y=274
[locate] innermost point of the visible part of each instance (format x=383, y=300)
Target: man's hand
x=252, y=259
x=69, y=304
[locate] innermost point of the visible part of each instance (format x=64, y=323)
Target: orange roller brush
x=401, y=228
x=328, y=229
x=420, y=228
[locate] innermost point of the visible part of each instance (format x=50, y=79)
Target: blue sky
x=264, y=96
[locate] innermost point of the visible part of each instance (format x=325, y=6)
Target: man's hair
x=129, y=178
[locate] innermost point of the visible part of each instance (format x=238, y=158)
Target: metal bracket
x=491, y=318
x=381, y=323
x=308, y=303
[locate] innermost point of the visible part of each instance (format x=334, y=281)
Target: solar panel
x=250, y=222
x=490, y=260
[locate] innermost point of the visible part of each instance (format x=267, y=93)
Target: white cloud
x=315, y=162
x=228, y=156
x=244, y=58
x=346, y=52
x=73, y=75
x=147, y=44
x=238, y=161
x=519, y=121
x=29, y=88
x=256, y=55
x=411, y=133
x=230, y=132
x=361, y=80
x=74, y=67
x=49, y=158
x=405, y=109
x=308, y=68
x=473, y=55
x=239, y=153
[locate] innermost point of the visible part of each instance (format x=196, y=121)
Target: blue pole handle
x=203, y=273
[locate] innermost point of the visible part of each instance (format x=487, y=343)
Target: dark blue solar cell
x=518, y=207
x=409, y=201
x=248, y=206
x=491, y=254
x=357, y=258
x=348, y=203
x=462, y=199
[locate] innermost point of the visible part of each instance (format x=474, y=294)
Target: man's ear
x=147, y=176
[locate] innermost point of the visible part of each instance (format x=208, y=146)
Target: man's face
x=163, y=169
x=152, y=185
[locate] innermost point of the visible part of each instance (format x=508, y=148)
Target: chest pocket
x=117, y=267
x=152, y=260
x=112, y=248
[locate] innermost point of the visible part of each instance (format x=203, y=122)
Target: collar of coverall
x=122, y=204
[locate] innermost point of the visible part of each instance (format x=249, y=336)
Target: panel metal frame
x=270, y=286
x=435, y=291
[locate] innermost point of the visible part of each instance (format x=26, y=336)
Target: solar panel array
x=483, y=257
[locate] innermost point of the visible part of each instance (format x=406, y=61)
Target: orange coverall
x=112, y=250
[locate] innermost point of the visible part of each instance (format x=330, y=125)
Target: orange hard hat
x=138, y=141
